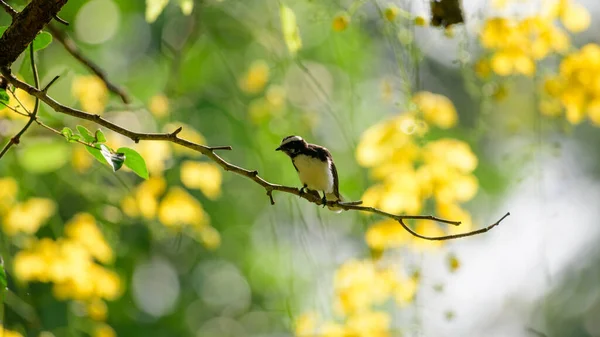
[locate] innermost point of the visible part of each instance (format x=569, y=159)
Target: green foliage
x=42, y=41
x=44, y=156
x=134, y=161
x=4, y=98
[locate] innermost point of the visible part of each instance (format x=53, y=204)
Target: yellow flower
x=178, y=208
x=405, y=290
x=22, y=97
x=386, y=234
x=427, y=228
x=81, y=159
x=256, y=78
x=206, y=177
x=306, y=324
x=379, y=142
x=82, y=228
x=453, y=263
x=159, y=105
x=420, y=21
x=104, y=330
x=9, y=333
x=210, y=237
x=574, y=17
x=359, y=285
x=96, y=309
x=340, y=22
x=451, y=152
x=8, y=193
x=391, y=12
x=332, y=329
x=91, y=92
x=27, y=217
x=156, y=154
x=369, y=324
x=436, y=109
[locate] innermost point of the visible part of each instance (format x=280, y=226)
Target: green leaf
x=100, y=137
x=67, y=133
x=3, y=29
x=291, y=33
x=96, y=153
x=154, y=8
x=86, y=134
x=134, y=161
x=115, y=160
x=4, y=98
x=187, y=6
x=42, y=40
x=3, y=282
x=44, y=156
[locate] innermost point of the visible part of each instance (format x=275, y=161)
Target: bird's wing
x=325, y=154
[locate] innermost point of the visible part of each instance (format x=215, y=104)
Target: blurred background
x=466, y=121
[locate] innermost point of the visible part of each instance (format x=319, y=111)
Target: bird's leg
x=303, y=189
x=324, y=200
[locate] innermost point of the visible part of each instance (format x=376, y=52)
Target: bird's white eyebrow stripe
x=290, y=139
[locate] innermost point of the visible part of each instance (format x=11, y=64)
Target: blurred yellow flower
x=204, y=176
x=420, y=21
x=144, y=200
x=28, y=217
x=406, y=290
x=210, y=237
x=391, y=12
x=427, y=228
x=453, y=263
x=159, y=105
x=386, y=234
x=359, y=285
x=8, y=193
x=15, y=103
x=178, y=208
x=256, y=78
x=306, y=324
x=96, y=309
x=369, y=324
x=156, y=154
x=83, y=229
x=81, y=159
x=340, y=22
x=187, y=133
x=104, y=330
x=451, y=152
x=91, y=92
x=8, y=333
x=436, y=109
x=574, y=16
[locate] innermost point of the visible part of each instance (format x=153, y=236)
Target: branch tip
x=178, y=130
x=270, y=194
x=214, y=148
x=45, y=90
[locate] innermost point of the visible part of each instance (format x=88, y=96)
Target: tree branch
x=250, y=174
x=33, y=115
x=11, y=11
x=72, y=48
x=25, y=26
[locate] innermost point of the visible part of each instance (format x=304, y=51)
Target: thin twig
x=15, y=110
x=210, y=153
x=11, y=11
x=61, y=20
x=32, y=116
x=455, y=236
x=72, y=48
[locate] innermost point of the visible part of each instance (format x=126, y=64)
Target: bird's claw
x=324, y=201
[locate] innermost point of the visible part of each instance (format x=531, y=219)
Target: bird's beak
x=278, y=149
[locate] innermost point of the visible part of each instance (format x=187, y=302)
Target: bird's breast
x=314, y=173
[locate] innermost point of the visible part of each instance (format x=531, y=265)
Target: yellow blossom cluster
x=176, y=209
x=576, y=87
x=409, y=172
x=70, y=263
x=360, y=286
x=91, y=92
x=22, y=217
x=516, y=44
x=256, y=78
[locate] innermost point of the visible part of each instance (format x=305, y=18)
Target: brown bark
x=25, y=27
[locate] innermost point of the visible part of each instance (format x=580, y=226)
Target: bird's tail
x=333, y=197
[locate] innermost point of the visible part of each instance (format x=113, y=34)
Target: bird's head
x=292, y=145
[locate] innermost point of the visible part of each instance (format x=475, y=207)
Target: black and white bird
x=315, y=168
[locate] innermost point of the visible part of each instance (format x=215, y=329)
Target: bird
x=315, y=167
